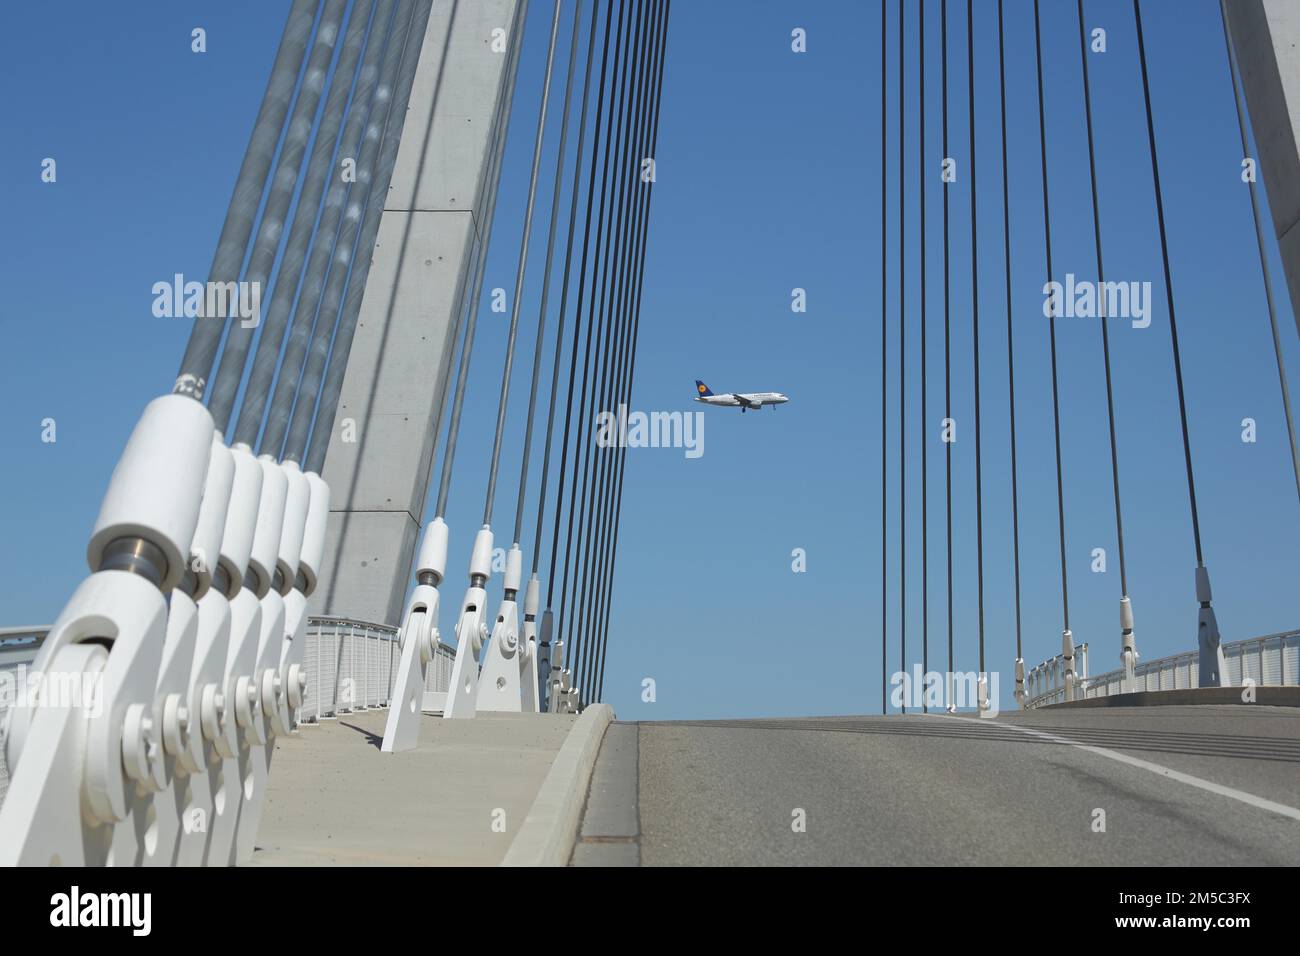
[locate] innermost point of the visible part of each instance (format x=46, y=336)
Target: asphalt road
x=1194, y=785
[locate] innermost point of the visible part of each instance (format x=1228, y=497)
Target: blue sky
x=768, y=179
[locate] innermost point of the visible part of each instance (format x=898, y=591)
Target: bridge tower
x=1265, y=36
x=436, y=216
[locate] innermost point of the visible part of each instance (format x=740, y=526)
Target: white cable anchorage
x=168, y=742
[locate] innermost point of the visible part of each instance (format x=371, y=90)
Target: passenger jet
x=743, y=400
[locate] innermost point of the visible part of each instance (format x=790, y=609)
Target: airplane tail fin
x=702, y=389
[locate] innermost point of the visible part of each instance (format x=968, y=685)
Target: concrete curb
x=551, y=827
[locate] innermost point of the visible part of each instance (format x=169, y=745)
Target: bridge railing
x=1045, y=682
x=1271, y=660
x=350, y=666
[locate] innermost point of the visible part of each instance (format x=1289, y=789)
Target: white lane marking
x=1158, y=770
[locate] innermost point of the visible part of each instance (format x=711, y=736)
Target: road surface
x=1146, y=786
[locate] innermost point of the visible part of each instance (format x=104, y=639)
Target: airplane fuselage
x=744, y=400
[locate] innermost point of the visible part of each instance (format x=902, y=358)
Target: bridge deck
x=335, y=799
x=945, y=791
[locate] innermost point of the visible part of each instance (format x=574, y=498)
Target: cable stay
x=1128, y=643
x=472, y=631
x=1207, y=625
x=1011, y=358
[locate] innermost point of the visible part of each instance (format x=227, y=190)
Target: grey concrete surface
x=1266, y=34
x=611, y=829
x=335, y=799
x=551, y=828
x=435, y=214
x=951, y=791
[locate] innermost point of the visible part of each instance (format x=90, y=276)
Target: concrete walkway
x=335, y=799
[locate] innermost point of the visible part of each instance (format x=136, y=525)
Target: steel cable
x=573, y=357
x=1011, y=359
x=505, y=97
x=949, y=434
x=344, y=295
x=274, y=330
x=925, y=471
x=582, y=439
x=607, y=601
x=519, y=273
x=546, y=286
x=902, y=351
x=975, y=325
x=345, y=244
x=564, y=295
x=884, y=372
x=378, y=66
x=270, y=228
x=205, y=337
x=601, y=394
x=1169, y=285
x=1101, y=285
x=1051, y=321
x=621, y=302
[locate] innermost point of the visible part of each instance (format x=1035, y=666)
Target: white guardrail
x=350, y=666
x=1272, y=660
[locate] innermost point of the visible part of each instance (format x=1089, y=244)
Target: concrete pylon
x=1266, y=37
x=390, y=412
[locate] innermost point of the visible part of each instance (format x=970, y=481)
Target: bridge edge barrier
x=548, y=833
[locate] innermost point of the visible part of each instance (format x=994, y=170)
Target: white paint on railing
x=1272, y=661
x=351, y=666
x=337, y=650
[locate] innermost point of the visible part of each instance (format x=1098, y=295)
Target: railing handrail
x=1083, y=646
x=1161, y=664
x=35, y=634
x=1143, y=667
x=385, y=629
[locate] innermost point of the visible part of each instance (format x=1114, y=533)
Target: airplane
x=743, y=400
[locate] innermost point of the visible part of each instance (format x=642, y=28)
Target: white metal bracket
x=212, y=732
x=418, y=641
x=149, y=836
x=85, y=743
x=471, y=631
x=528, y=686
x=1128, y=654
x=70, y=738
x=498, y=688
x=1067, y=657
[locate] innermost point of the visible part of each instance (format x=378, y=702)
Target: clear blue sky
x=768, y=179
